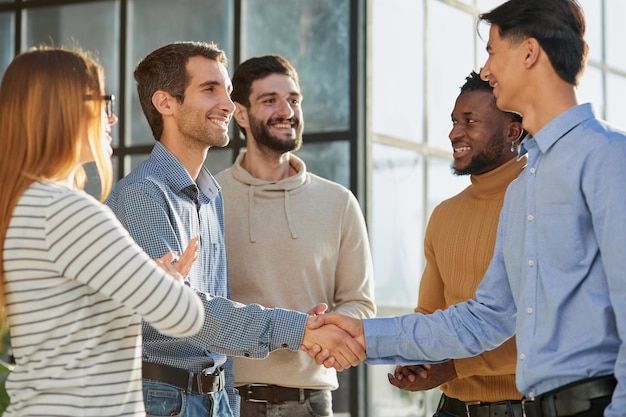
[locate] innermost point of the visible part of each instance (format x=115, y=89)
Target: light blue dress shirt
x=558, y=275
x=163, y=208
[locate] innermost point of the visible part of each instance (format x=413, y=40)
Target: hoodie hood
x=263, y=189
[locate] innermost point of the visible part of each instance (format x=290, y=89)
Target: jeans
x=167, y=400
x=442, y=414
x=319, y=404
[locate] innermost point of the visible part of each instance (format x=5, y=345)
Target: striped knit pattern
x=458, y=246
x=76, y=288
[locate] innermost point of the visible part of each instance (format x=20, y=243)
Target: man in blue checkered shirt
x=184, y=90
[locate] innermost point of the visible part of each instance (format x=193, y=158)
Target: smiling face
x=479, y=134
x=203, y=117
x=503, y=69
x=275, y=119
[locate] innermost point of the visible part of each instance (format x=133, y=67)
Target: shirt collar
x=561, y=125
x=179, y=179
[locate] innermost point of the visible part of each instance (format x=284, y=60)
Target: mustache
x=291, y=120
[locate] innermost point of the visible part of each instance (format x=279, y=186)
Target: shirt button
x=246, y=354
x=530, y=217
x=522, y=356
x=532, y=170
x=531, y=263
x=529, y=310
x=285, y=346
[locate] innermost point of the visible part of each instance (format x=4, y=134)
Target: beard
x=264, y=139
x=485, y=161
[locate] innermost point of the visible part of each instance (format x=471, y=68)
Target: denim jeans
x=320, y=404
x=167, y=400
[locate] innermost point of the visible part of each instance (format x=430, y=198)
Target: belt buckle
x=468, y=405
x=249, y=392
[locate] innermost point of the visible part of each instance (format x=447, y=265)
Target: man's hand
x=181, y=268
x=322, y=354
x=345, y=350
x=422, y=377
x=318, y=309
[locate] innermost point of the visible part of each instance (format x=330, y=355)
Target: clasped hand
x=334, y=340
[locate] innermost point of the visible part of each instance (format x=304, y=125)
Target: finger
x=168, y=258
x=393, y=381
x=189, y=256
x=321, y=356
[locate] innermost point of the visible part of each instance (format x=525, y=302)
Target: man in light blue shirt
x=558, y=276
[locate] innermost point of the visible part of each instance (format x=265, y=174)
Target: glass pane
x=593, y=36
x=396, y=104
x=396, y=226
x=218, y=159
x=615, y=104
x=93, y=27
x=188, y=20
x=314, y=35
x=615, y=10
x=450, y=60
x=385, y=400
x=442, y=183
x=7, y=26
x=487, y=5
x=590, y=89
x=330, y=160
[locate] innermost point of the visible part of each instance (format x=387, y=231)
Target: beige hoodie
x=294, y=243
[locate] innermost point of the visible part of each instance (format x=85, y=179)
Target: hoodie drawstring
x=292, y=227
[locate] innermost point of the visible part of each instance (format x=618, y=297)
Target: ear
x=241, y=115
x=162, y=101
x=515, y=131
x=532, y=51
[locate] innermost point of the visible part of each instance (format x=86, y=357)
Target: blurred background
x=379, y=79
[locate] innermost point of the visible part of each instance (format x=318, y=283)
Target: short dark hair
x=256, y=68
x=558, y=26
x=166, y=69
x=473, y=82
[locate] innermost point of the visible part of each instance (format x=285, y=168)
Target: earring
x=513, y=147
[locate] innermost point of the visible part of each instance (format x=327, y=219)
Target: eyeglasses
x=108, y=99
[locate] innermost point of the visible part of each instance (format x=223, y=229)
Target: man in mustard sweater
x=293, y=239
x=458, y=247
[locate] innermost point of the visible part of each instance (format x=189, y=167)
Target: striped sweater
x=76, y=289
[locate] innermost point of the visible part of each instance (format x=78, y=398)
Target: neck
x=268, y=165
x=190, y=157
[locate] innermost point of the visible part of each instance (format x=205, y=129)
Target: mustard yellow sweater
x=458, y=246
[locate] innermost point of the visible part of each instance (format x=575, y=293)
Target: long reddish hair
x=43, y=112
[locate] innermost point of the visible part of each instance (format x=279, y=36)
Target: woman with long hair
x=73, y=285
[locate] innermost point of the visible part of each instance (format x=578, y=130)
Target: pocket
x=163, y=401
x=320, y=404
x=560, y=240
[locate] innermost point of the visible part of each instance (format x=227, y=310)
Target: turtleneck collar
x=497, y=180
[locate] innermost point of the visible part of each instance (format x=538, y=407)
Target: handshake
x=334, y=340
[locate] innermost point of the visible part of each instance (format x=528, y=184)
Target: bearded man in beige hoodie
x=293, y=239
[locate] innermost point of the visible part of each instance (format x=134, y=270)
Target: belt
x=566, y=401
x=273, y=393
x=460, y=408
x=573, y=398
x=200, y=383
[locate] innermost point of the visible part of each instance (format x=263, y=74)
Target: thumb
x=315, y=322
x=318, y=309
